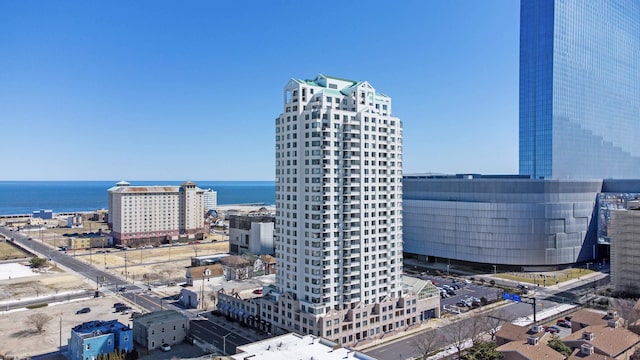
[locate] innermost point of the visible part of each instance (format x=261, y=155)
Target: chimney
x=613, y=323
x=532, y=340
x=587, y=335
x=611, y=314
x=537, y=328
x=586, y=349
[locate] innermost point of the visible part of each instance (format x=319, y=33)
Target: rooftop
x=98, y=327
x=522, y=350
x=589, y=317
x=158, y=317
x=513, y=332
x=606, y=339
x=294, y=346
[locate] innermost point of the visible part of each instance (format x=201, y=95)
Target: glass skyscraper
x=580, y=89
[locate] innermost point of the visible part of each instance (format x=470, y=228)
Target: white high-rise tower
x=338, y=231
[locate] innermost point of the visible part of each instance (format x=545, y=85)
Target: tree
x=38, y=320
x=428, y=342
x=477, y=326
x=556, y=344
x=495, y=319
x=483, y=350
x=459, y=334
x=37, y=262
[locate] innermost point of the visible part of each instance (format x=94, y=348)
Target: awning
x=241, y=313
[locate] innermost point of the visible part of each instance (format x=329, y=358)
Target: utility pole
x=531, y=301
x=224, y=344
x=202, y=293
x=60, y=333
x=125, y=266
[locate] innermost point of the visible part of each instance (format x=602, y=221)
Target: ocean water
x=23, y=197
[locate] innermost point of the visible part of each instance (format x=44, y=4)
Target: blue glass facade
x=580, y=89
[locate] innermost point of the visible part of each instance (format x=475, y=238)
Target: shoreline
x=221, y=207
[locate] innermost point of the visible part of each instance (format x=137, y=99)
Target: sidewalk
x=246, y=332
x=392, y=337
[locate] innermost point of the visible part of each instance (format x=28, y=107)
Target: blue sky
x=168, y=90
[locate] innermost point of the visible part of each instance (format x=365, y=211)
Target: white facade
x=338, y=194
x=154, y=214
x=251, y=234
x=338, y=230
x=210, y=199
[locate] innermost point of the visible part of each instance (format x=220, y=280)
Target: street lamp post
x=224, y=344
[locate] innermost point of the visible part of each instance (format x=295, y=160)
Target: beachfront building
x=94, y=338
x=579, y=93
x=155, y=214
x=338, y=230
x=210, y=199
x=251, y=233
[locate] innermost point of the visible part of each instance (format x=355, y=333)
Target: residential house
x=94, y=338
x=161, y=327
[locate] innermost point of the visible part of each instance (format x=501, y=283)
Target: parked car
x=551, y=329
x=83, y=311
x=257, y=291
x=117, y=305
x=563, y=323
x=135, y=314
x=165, y=347
x=122, y=307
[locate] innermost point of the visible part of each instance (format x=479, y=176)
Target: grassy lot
x=546, y=278
x=10, y=252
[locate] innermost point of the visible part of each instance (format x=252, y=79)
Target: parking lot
x=460, y=292
x=20, y=339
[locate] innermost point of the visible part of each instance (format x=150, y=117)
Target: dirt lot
x=19, y=338
x=156, y=264
x=44, y=284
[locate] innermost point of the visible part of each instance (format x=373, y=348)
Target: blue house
x=90, y=339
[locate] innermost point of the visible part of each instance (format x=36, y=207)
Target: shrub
x=37, y=306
